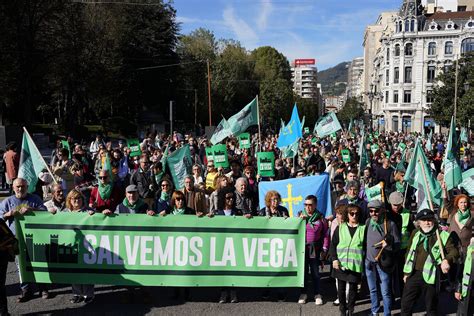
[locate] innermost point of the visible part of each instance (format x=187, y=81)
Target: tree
x=352, y=110
x=308, y=108
x=442, y=107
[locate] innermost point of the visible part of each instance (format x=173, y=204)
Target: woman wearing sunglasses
x=346, y=252
x=106, y=196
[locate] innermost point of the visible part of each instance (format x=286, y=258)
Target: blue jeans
x=311, y=266
x=372, y=269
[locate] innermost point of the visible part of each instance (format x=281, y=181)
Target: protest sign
x=134, y=146
x=266, y=164
x=209, y=154
x=244, y=140
x=346, y=155
x=374, y=193
x=140, y=250
x=220, y=156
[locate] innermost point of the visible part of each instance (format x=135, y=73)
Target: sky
x=330, y=31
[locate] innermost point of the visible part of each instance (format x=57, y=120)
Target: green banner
x=139, y=250
x=220, y=156
x=244, y=140
x=346, y=155
x=266, y=164
x=134, y=146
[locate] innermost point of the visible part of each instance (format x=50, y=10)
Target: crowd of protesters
x=387, y=244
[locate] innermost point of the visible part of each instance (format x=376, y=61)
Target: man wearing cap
x=404, y=222
x=382, y=244
x=423, y=261
x=132, y=203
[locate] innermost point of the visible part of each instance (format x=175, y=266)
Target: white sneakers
x=318, y=300
x=302, y=299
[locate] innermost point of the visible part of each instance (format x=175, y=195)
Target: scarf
x=400, y=187
x=424, y=238
x=351, y=200
x=178, y=211
x=134, y=207
x=105, y=191
x=377, y=225
x=165, y=196
x=463, y=217
x=311, y=219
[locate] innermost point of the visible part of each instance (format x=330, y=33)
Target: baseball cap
x=131, y=188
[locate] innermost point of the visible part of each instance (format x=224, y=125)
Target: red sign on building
x=307, y=61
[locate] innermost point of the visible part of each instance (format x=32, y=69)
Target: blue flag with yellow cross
x=294, y=191
x=292, y=131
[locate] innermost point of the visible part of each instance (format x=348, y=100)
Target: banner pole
x=36, y=148
x=259, y=131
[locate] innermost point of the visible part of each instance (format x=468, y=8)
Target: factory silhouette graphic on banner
x=52, y=252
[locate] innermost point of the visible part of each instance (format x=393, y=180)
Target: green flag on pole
x=221, y=132
x=180, y=165
x=468, y=181
x=327, y=125
x=452, y=170
x=31, y=162
x=363, y=155
x=290, y=151
x=420, y=176
x=248, y=116
x=463, y=137
x=266, y=164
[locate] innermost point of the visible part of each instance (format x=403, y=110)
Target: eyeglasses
x=374, y=210
x=308, y=204
x=275, y=199
x=103, y=178
x=354, y=214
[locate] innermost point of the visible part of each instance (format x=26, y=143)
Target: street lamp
x=371, y=94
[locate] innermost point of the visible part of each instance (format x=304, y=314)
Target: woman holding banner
x=346, y=253
x=178, y=205
x=162, y=202
x=75, y=202
x=220, y=183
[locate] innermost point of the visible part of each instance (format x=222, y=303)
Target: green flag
x=65, y=144
x=31, y=162
x=248, y=116
x=374, y=193
x=468, y=181
x=221, y=132
x=327, y=125
x=290, y=151
x=220, y=156
x=374, y=148
x=350, y=125
x=420, y=176
x=402, y=147
x=306, y=130
x=452, y=170
x=244, y=140
x=165, y=156
x=134, y=146
x=180, y=165
x=463, y=137
x=363, y=155
x=346, y=155
x=266, y=164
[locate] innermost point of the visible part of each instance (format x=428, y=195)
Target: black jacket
x=143, y=181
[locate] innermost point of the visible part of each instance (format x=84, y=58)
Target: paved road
x=112, y=300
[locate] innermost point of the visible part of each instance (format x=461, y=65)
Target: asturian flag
x=293, y=192
x=292, y=131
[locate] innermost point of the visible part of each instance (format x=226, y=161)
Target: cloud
x=244, y=33
x=265, y=11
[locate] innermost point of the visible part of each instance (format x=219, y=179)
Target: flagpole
x=36, y=148
x=440, y=244
x=259, y=131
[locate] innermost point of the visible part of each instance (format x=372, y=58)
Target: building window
x=407, y=25
x=448, y=48
x=462, y=8
x=429, y=96
x=407, y=75
x=431, y=74
x=407, y=96
x=395, y=96
x=432, y=49
x=396, y=75
x=395, y=123
x=467, y=45
x=409, y=49
x=386, y=96
x=400, y=26
x=412, y=25
x=387, y=59
x=387, y=77
x=397, y=50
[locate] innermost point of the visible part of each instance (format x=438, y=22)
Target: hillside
x=329, y=77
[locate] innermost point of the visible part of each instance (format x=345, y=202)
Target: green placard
x=346, y=155
x=374, y=148
x=266, y=164
x=402, y=147
x=142, y=250
x=65, y=144
x=220, y=156
x=374, y=193
x=387, y=154
x=306, y=130
x=134, y=146
x=209, y=154
x=244, y=140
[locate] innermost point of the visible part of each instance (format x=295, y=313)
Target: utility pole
x=171, y=117
x=209, y=91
